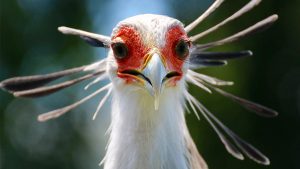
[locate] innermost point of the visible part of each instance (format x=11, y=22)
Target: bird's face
x=149, y=51
x=152, y=52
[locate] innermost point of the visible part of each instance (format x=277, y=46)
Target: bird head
x=153, y=53
x=149, y=52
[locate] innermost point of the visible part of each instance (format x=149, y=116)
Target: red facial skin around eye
x=173, y=62
x=136, y=51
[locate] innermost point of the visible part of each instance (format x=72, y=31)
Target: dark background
x=30, y=44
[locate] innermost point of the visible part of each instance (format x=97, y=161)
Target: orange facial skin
x=173, y=62
x=138, y=52
x=174, y=34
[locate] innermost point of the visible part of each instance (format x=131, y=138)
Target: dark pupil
x=181, y=49
x=120, y=50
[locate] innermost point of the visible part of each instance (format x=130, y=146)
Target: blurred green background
x=30, y=44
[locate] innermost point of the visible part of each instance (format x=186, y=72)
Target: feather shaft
x=210, y=10
x=250, y=5
x=232, y=149
x=91, y=38
x=31, y=82
x=58, y=112
x=200, y=55
x=102, y=103
x=246, y=148
x=42, y=91
x=259, y=26
x=249, y=105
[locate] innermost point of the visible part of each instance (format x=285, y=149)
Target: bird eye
x=182, y=49
x=120, y=50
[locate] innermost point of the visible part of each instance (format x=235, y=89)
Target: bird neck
x=142, y=137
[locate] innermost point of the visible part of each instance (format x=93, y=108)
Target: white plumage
x=142, y=137
x=149, y=64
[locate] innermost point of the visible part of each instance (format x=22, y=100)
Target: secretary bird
x=151, y=60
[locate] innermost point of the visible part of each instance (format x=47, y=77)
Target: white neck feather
x=142, y=137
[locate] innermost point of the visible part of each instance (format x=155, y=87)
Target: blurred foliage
x=30, y=44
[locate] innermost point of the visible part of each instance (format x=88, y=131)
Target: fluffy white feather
x=142, y=137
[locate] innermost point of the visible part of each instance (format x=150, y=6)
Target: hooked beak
x=156, y=72
x=154, y=75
